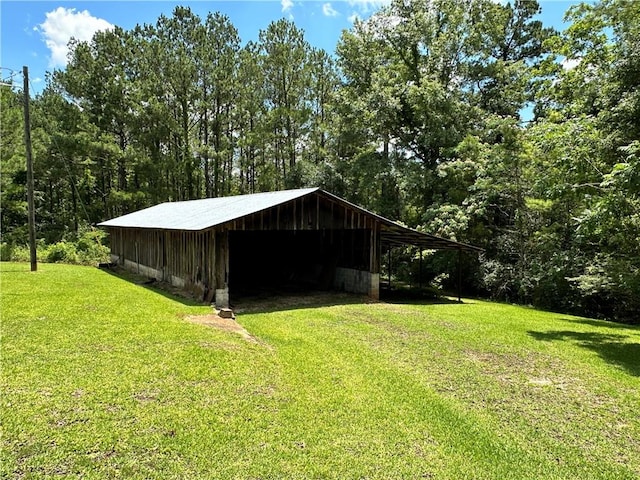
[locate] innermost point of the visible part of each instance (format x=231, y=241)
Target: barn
x=305, y=238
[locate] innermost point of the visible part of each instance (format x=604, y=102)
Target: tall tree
x=257, y=172
x=177, y=75
x=284, y=63
x=216, y=59
x=589, y=118
x=105, y=98
x=13, y=175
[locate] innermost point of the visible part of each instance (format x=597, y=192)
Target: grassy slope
x=102, y=378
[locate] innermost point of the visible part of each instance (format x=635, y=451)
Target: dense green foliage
x=103, y=378
x=87, y=247
x=417, y=117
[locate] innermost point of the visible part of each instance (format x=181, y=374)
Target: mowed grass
x=103, y=378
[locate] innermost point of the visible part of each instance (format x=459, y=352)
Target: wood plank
x=371, y=252
x=214, y=260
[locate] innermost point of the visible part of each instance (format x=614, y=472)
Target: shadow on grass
x=612, y=348
x=602, y=323
x=414, y=297
x=161, y=288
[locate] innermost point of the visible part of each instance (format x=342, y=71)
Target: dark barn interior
x=293, y=260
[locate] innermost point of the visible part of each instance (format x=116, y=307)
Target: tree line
x=417, y=116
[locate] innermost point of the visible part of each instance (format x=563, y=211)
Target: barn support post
x=411, y=268
x=137, y=258
x=222, y=269
x=459, y=275
x=420, y=273
x=210, y=256
x=163, y=239
x=374, y=268
x=389, y=265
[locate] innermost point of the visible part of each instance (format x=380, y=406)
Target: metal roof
x=397, y=235
x=196, y=215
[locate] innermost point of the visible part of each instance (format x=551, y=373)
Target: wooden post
x=372, y=247
x=420, y=274
x=411, y=279
x=389, y=257
x=222, y=268
x=30, y=201
x=459, y=275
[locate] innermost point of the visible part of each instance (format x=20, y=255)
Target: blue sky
x=34, y=33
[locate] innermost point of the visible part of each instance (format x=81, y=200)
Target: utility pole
x=27, y=142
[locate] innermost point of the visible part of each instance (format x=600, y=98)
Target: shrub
x=61, y=252
x=6, y=251
x=90, y=247
x=86, y=248
x=20, y=253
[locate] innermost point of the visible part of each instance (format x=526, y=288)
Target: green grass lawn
x=103, y=378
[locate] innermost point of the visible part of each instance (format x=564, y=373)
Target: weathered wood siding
x=190, y=258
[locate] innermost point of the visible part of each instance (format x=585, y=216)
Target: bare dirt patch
x=224, y=324
x=276, y=301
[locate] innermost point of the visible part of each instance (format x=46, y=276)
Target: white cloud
x=362, y=9
x=62, y=24
x=286, y=5
x=329, y=11
x=570, y=63
x=366, y=6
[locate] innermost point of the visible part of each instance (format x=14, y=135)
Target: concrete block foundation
x=357, y=281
